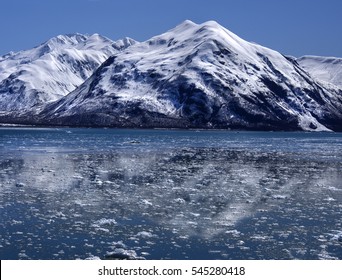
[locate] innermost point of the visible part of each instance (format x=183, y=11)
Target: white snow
x=54, y=68
x=145, y=234
x=326, y=69
x=190, y=51
x=207, y=57
x=105, y=221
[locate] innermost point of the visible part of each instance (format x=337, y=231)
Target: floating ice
x=337, y=235
x=93, y=258
x=206, y=191
x=145, y=234
x=105, y=221
x=122, y=254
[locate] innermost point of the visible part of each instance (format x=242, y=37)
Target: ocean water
x=169, y=194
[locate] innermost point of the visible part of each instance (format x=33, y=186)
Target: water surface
x=169, y=194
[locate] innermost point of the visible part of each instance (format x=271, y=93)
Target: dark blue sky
x=294, y=27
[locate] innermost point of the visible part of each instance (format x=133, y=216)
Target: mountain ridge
x=31, y=78
x=200, y=76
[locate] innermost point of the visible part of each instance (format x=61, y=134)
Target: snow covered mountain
x=201, y=76
x=325, y=69
x=31, y=78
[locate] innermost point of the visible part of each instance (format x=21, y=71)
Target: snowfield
x=326, y=69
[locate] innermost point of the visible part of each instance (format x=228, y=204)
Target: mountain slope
x=326, y=69
x=31, y=78
x=200, y=76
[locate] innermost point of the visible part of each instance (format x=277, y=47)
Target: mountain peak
x=209, y=30
x=211, y=24
x=124, y=43
x=97, y=37
x=194, y=75
x=199, y=75
x=186, y=24
x=67, y=39
x=52, y=69
x=190, y=25
x=60, y=41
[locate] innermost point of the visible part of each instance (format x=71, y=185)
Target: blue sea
x=76, y=193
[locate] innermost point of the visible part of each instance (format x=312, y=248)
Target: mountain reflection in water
x=170, y=194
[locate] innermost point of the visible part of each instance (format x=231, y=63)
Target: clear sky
x=294, y=27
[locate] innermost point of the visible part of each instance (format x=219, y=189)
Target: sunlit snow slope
x=51, y=70
x=200, y=75
x=326, y=69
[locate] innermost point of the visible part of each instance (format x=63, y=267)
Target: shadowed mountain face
x=201, y=76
